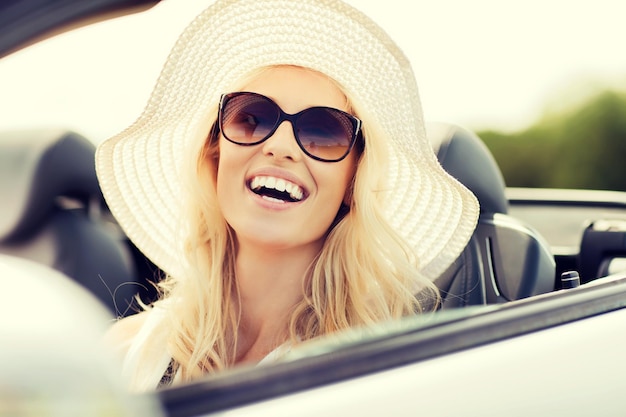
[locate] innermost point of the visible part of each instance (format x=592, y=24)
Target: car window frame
x=481, y=326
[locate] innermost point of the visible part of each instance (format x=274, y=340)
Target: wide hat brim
x=138, y=169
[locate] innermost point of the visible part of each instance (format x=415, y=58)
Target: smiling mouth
x=276, y=189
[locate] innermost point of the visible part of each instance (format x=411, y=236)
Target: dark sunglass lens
x=248, y=118
x=325, y=133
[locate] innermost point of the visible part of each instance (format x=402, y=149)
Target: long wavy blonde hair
x=364, y=274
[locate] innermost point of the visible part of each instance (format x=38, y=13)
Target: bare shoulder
x=121, y=333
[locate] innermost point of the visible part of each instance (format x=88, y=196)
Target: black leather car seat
x=505, y=259
x=52, y=212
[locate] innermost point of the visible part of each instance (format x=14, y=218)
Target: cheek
x=337, y=181
x=228, y=166
x=230, y=157
x=347, y=173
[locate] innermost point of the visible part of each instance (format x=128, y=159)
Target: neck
x=270, y=284
x=270, y=278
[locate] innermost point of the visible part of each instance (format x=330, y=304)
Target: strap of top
x=168, y=375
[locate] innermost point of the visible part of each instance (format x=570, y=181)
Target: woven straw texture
x=138, y=169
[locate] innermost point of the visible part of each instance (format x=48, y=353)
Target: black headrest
x=464, y=156
x=36, y=167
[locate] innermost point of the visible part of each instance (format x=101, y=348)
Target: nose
x=282, y=144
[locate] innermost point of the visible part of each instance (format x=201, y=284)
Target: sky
x=496, y=64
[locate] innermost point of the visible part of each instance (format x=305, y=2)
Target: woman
x=281, y=177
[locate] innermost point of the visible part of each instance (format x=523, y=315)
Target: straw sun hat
x=138, y=169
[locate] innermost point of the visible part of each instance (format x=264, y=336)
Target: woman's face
x=246, y=173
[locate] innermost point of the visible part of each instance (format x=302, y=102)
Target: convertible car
x=532, y=322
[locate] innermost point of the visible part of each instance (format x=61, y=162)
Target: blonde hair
x=364, y=274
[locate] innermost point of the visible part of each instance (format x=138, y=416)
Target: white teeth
x=279, y=184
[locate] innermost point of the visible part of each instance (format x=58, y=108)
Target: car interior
x=57, y=216
x=506, y=259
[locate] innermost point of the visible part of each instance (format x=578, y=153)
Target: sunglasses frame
x=293, y=119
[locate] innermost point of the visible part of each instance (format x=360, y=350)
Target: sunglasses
x=323, y=133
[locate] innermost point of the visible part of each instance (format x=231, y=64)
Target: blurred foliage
x=583, y=147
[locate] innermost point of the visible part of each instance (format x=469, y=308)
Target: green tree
x=584, y=147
